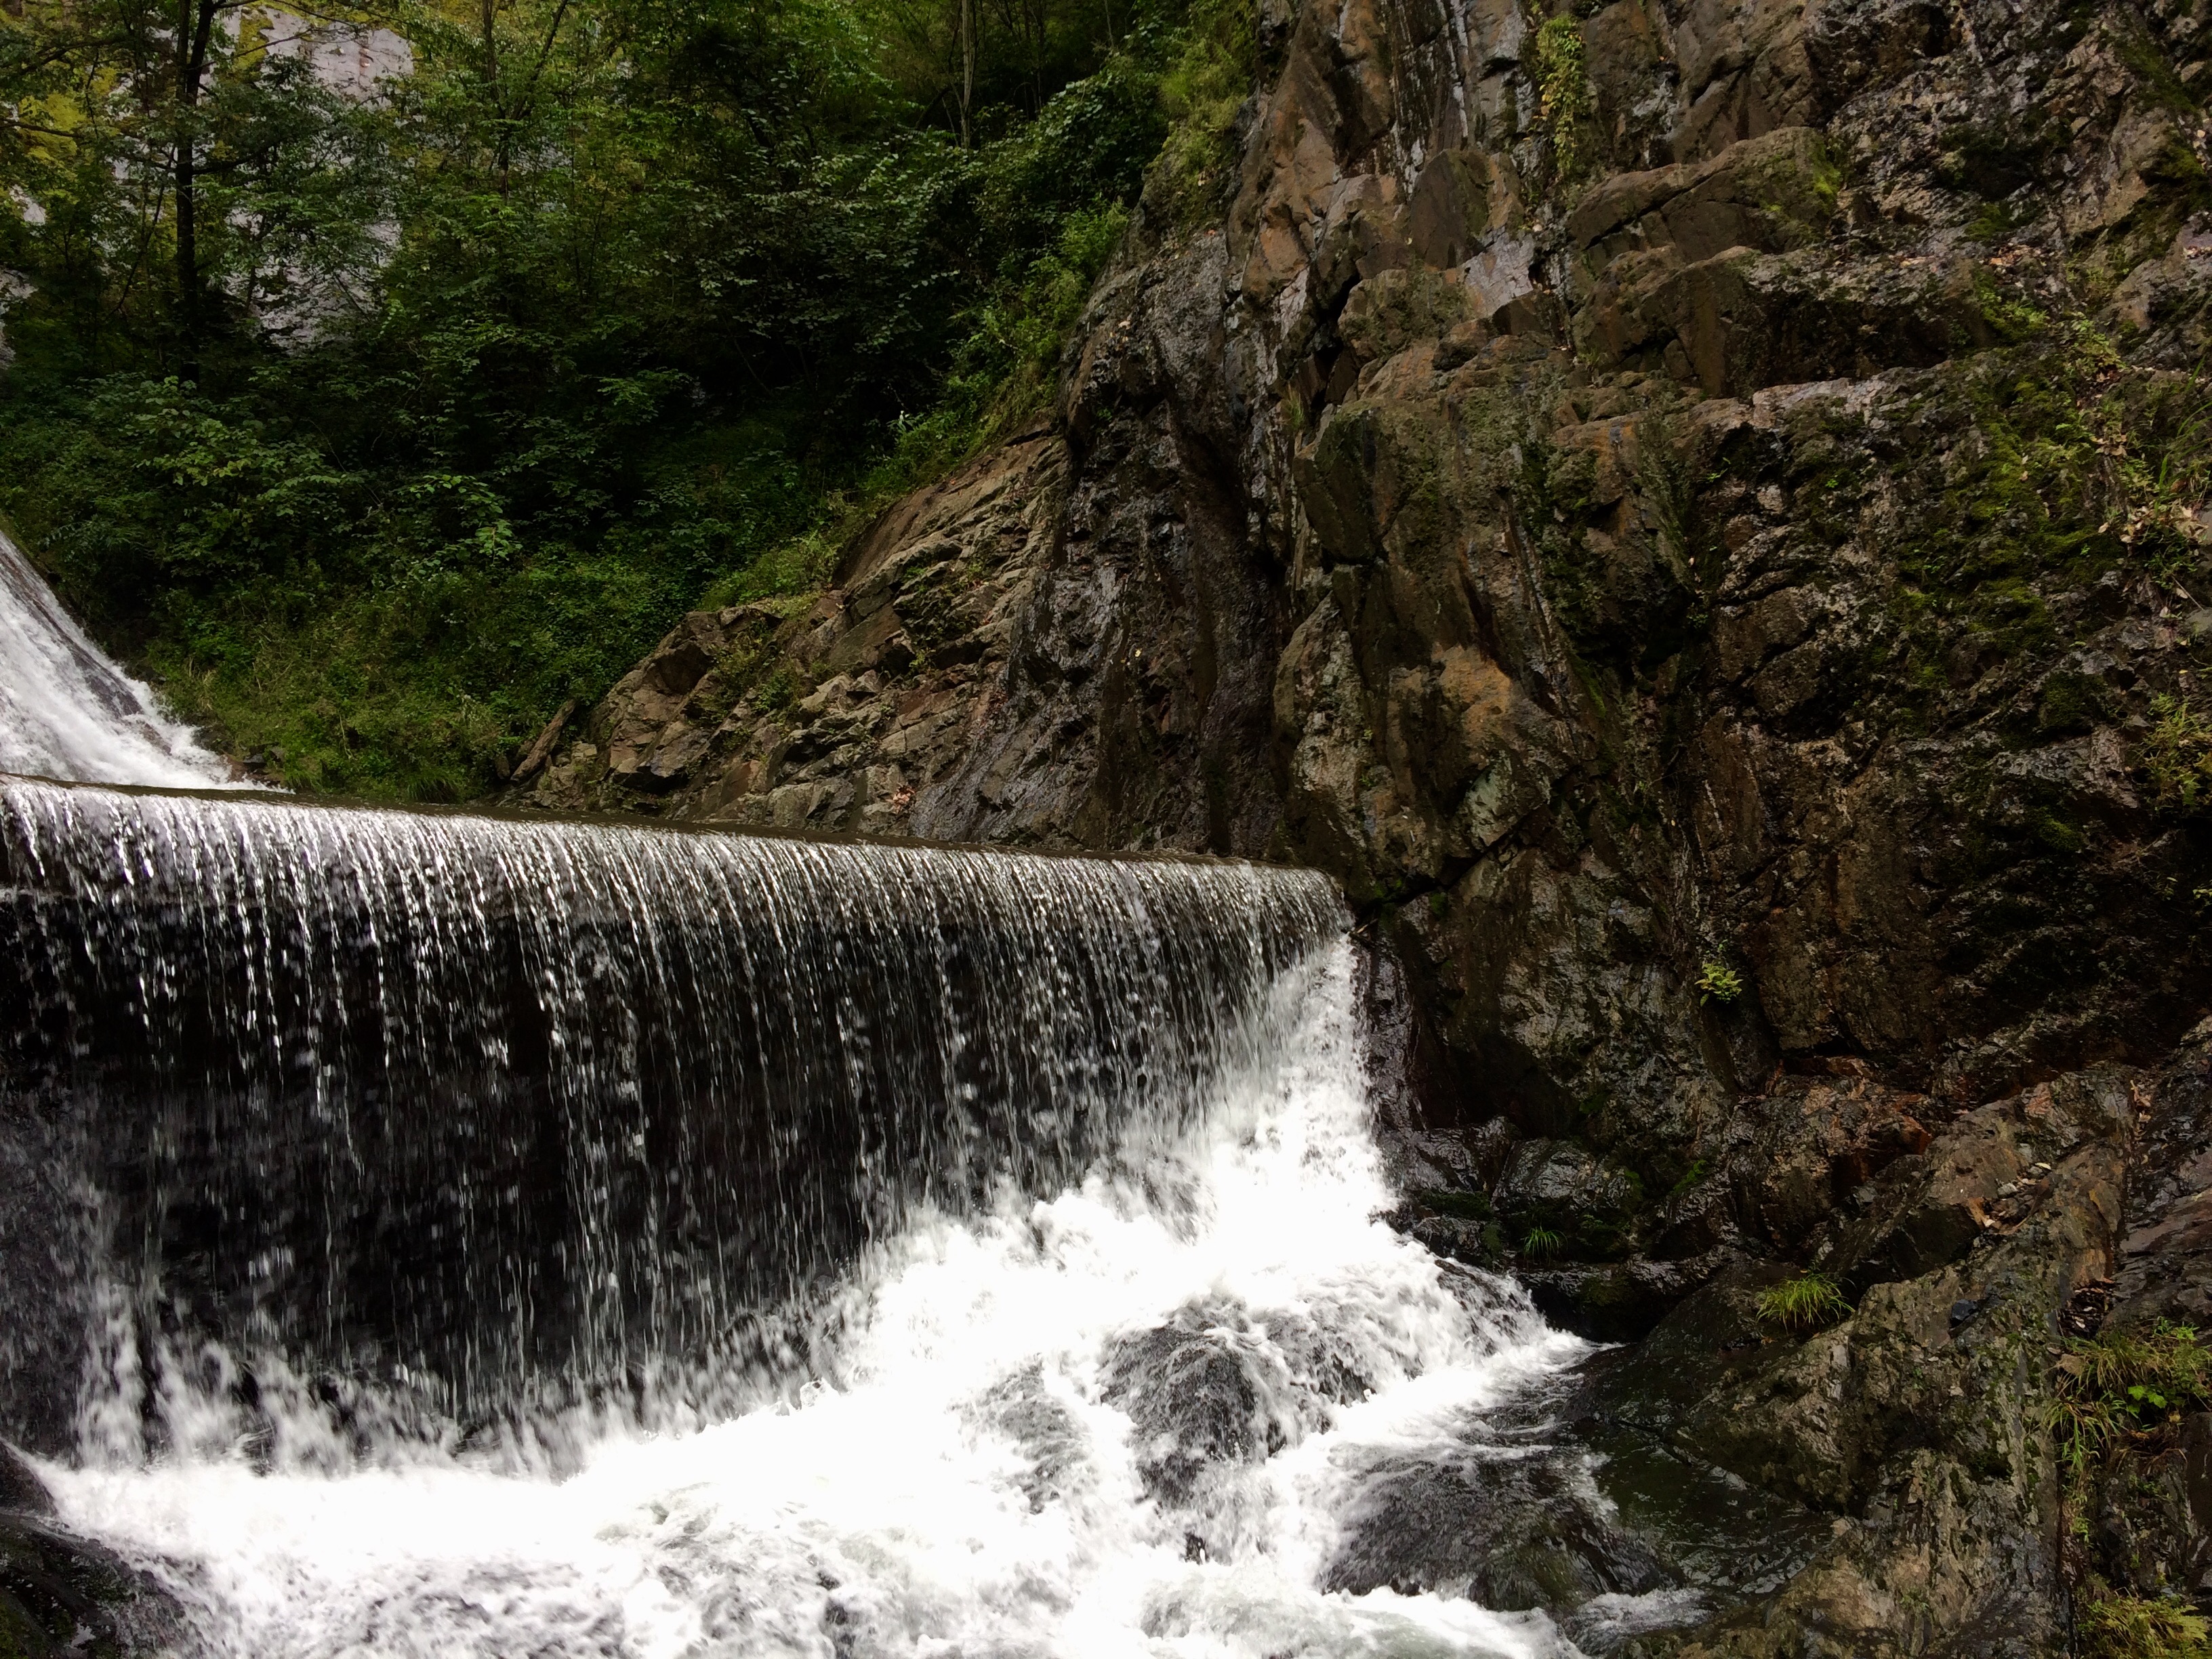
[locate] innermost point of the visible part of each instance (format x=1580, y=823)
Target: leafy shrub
x=1564, y=99
x=1718, y=982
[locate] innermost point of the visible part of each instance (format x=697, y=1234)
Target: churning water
x=67, y=711
x=461, y=1236
x=1110, y=1421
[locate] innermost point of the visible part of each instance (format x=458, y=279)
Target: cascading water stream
x=67, y=711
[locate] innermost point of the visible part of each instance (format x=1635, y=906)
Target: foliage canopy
x=380, y=379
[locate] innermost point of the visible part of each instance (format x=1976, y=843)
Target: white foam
x=892, y=1511
x=67, y=711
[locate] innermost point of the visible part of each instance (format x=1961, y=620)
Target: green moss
x=1690, y=1177
x=2011, y=316
x=1993, y=222
x=2070, y=703
x=2063, y=463
x=1609, y=1289
x=2057, y=834
x=1462, y=1207
x=2139, y=51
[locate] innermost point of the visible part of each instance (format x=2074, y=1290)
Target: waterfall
x=442, y=1234
x=67, y=711
x=501, y=1109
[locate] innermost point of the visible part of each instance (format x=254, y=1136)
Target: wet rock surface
x=1717, y=567
x=61, y=1594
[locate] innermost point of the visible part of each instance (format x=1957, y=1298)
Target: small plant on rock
x=1809, y=1301
x=1718, y=982
x=2126, y=1387
x=2178, y=753
x=1541, y=1241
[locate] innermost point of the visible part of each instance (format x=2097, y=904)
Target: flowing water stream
x=435, y=1234
x=67, y=711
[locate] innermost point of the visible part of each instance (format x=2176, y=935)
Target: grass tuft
x=1806, y=1303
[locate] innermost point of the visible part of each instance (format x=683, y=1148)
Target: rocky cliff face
x=1695, y=511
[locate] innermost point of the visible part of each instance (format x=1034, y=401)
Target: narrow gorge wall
x=1695, y=514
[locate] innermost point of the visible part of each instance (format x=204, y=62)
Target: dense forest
x=378, y=380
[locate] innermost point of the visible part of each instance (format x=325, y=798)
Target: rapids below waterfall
x=1123, y=1418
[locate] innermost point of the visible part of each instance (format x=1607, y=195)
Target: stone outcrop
x=1709, y=545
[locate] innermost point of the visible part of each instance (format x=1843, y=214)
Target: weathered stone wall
x=1767, y=553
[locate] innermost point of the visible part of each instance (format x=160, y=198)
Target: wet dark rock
x=62, y=1595
x=1021, y=1410
x=21, y=1491
x=1510, y=1530
x=1202, y=1393
x=1544, y=1504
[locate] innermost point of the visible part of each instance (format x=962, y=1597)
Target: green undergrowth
x=2073, y=463
x=2177, y=754
x=1202, y=92
x=2141, y=1627
x=2123, y=1391
x=2118, y=1403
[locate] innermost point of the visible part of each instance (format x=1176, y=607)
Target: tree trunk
x=967, y=68
x=195, y=35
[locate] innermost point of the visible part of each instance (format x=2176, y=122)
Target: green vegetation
x=1805, y=1302
x=1564, y=99
x=376, y=421
x=1718, y=982
x=2077, y=464
x=2128, y=1390
x=2178, y=753
x=1541, y=1241
x=1462, y=1207
x=2136, y=1628
x=2118, y=1403
x=1698, y=1170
